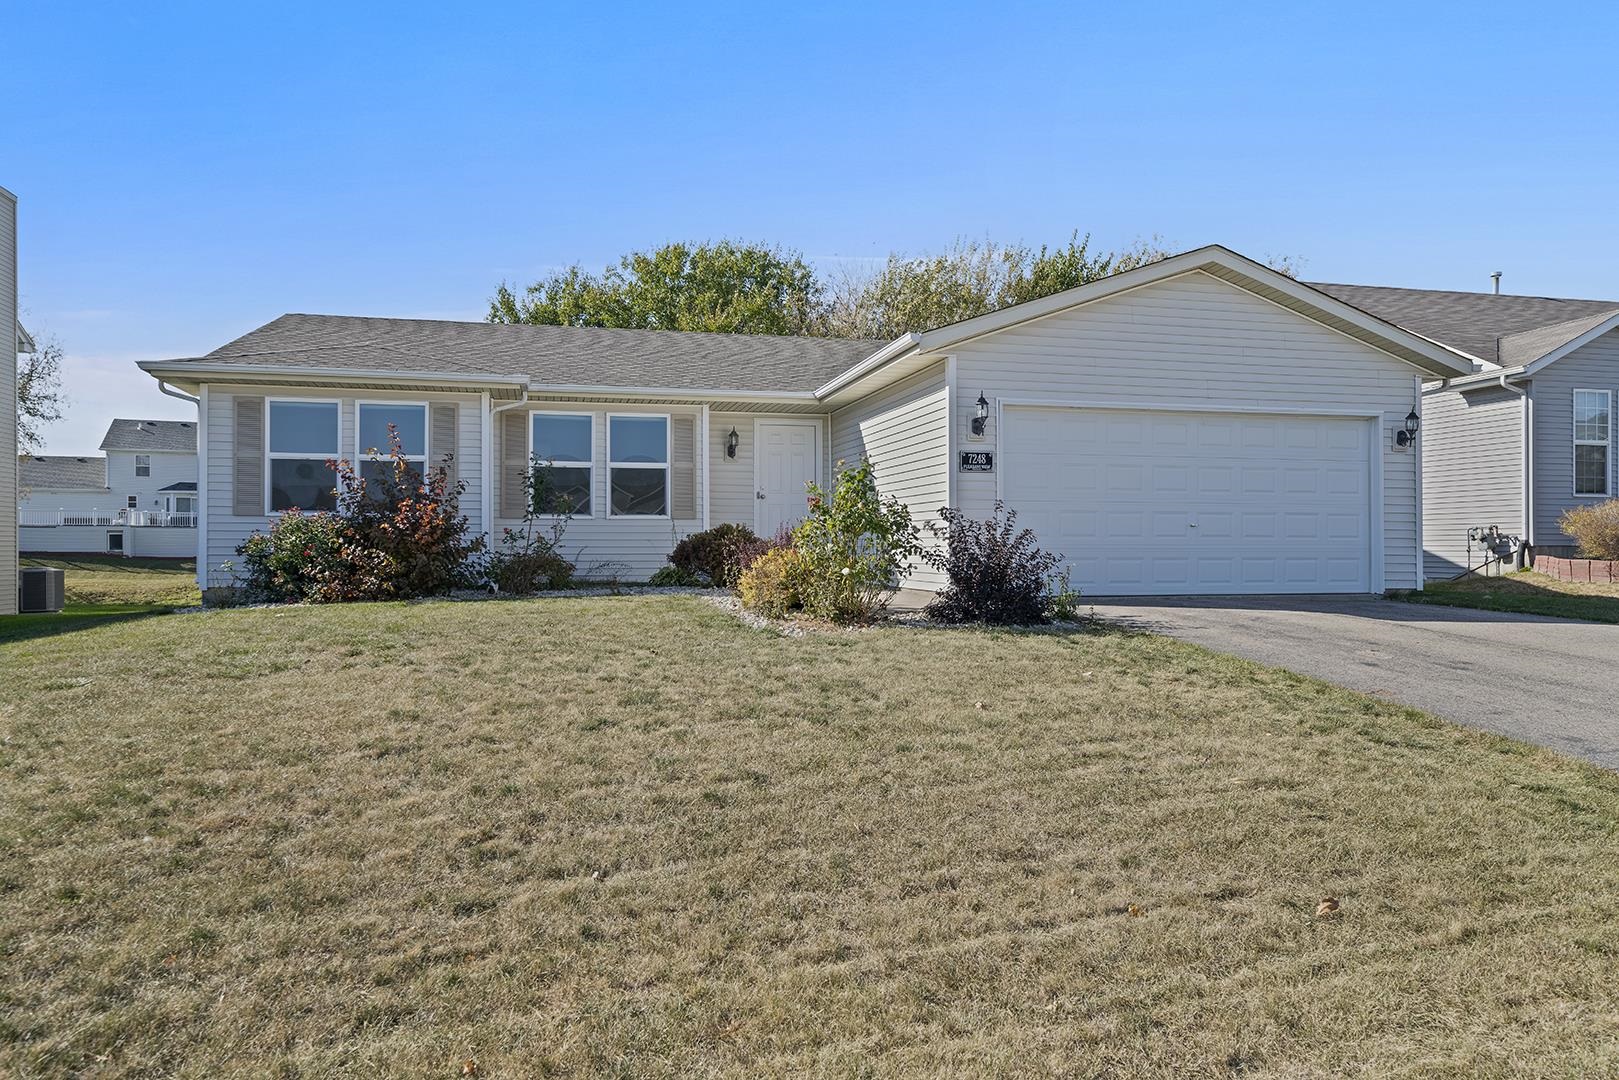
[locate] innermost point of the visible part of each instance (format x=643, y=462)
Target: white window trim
x=147, y=466
x=668, y=453
x=269, y=456
x=427, y=432
x=1606, y=444
x=591, y=464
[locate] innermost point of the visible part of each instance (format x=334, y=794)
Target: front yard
x=1527, y=593
x=628, y=836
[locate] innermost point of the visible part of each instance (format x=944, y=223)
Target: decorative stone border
x=1603, y=571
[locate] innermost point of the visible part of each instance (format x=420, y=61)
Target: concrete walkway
x=1549, y=681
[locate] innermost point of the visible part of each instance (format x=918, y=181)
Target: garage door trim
x=1374, y=494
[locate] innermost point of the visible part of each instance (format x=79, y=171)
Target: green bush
x=293, y=561
x=773, y=585
x=1595, y=529
x=667, y=576
x=528, y=559
x=855, y=547
x=719, y=555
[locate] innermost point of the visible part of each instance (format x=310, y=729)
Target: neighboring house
x=1538, y=404
x=1201, y=425
x=8, y=402
x=140, y=499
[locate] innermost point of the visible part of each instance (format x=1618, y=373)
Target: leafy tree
x=724, y=287
x=39, y=394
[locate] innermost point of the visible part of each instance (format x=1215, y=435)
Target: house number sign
x=977, y=461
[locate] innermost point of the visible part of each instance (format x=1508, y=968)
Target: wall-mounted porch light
x=731, y=441
x=1408, y=435
x=983, y=414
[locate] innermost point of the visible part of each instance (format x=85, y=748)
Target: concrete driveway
x=1550, y=681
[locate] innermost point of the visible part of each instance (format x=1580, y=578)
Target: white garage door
x=1163, y=503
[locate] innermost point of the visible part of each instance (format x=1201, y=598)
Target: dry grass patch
x=1527, y=593
x=628, y=836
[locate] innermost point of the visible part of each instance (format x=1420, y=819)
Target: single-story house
x=138, y=499
x=1528, y=433
x=1200, y=425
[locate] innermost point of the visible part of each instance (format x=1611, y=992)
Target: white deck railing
x=135, y=519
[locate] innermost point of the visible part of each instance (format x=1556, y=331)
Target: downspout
x=165, y=388
x=1528, y=462
x=202, y=484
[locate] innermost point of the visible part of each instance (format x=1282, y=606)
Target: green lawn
x=101, y=588
x=1528, y=593
x=627, y=836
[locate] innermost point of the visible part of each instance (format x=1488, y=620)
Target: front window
x=410, y=423
x=143, y=464
x=303, y=437
x=1592, y=431
x=638, y=465
x=562, y=450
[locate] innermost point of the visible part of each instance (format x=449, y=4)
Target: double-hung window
x=562, y=453
x=371, y=454
x=143, y=464
x=303, y=436
x=638, y=466
x=1592, y=435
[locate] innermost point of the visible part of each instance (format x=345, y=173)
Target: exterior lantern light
x=731, y=441
x=1408, y=435
x=983, y=414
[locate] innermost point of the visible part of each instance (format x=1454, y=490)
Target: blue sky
x=188, y=174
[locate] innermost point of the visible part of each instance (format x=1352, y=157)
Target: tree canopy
x=755, y=289
x=39, y=394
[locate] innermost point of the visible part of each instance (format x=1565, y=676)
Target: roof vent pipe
x=1495, y=279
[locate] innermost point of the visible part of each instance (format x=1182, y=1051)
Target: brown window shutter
x=444, y=436
x=513, y=463
x=683, y=468
x=247, y=458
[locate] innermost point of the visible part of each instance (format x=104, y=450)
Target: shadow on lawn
x=73, y=618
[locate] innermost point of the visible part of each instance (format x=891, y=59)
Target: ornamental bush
x=718, y=555
x=773, y=585
x=395, y=535
x=528, y=559
x=996, y=572
x=1595, y=529
x=855, y=547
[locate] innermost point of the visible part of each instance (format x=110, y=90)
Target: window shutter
x=683, y=467
x=247, y=458
x=444, y=436
x=513, y=463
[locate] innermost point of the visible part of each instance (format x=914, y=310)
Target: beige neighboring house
x=1200, y=425
x=8, y=403
x=140, y=498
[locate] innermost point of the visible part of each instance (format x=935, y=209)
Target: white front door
x=787, y=458
x=1144, y=502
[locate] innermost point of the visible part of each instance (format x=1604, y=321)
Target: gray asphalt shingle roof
x=1501, y=329
x=66, y=473
x=180, y=435
x=549, y=355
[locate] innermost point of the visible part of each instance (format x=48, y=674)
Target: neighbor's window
x=410, y=423
x=143, y=464
x=1591, y=434
x=563, y=443
x=303, y=436
x=638, y=465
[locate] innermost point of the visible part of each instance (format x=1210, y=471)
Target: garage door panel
x=1180, y=502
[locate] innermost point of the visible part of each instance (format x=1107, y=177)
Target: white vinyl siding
x=730, y=480
x=226, y=530
x=1594, y=366
x=904, y=429
x=8, y=404
x=1197, y=341
x=1472, y=473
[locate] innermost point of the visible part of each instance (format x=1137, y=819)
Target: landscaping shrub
x=719, y=554
x=1595, y=529
x=667, y=576
x=292, y=561
x=396, y=535
x=773, y=585
x=996, y=572
x=528, y=559
x=854, y=546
